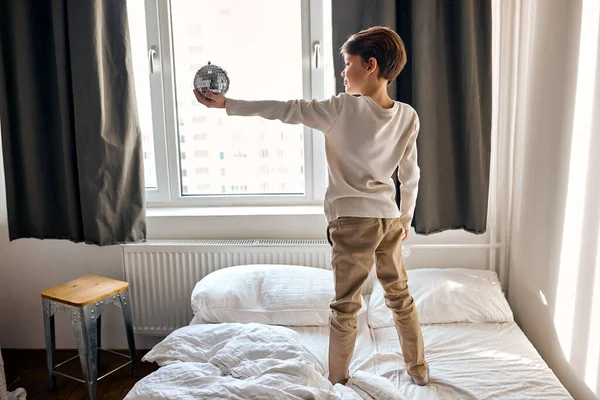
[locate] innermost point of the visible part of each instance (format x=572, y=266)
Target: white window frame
x=165, y=126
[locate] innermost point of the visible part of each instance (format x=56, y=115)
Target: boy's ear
x=371, y=64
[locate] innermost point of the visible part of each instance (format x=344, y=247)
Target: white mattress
x=467, y=361
x=316, y=341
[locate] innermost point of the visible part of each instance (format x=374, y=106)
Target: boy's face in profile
x=355, y=74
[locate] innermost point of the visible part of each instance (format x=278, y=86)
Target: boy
x=367, y=135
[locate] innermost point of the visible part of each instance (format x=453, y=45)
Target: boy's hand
x=210, y=99
x=404, y=235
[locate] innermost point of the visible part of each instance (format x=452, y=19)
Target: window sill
x=277, y=222
x=160, y=212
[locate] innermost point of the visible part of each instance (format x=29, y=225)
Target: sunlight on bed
x=455, y=286
x=501, y=355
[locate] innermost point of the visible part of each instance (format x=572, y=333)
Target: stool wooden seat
x=85, y=290
x=84, y=299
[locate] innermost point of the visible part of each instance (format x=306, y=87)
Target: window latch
x=317, y=53
x=151, y=57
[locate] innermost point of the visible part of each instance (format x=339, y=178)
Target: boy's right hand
x=210, y=99
x=404, y=235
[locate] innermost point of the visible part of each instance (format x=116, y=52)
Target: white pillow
x=447, y=296
x=268, y=294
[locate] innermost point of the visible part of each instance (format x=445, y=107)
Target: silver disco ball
x=211, y=78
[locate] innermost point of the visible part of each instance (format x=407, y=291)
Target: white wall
x=565, y=330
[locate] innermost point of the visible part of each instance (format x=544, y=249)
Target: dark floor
x=27, y=369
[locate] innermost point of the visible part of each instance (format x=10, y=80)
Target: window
x=170, y=43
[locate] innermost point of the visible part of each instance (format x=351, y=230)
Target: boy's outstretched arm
x=315, y=114
x=409, y=174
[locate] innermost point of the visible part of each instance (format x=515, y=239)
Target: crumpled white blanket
x=246, y=361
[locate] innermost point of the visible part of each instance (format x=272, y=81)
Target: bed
x=261, y=332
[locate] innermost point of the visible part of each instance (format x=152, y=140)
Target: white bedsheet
x=467, y=361
x=316, y=341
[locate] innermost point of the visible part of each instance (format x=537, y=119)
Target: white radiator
x=162, y=273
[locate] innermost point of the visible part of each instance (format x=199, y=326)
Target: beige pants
x=357, y=244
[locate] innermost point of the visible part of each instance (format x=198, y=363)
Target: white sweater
x=364, y=144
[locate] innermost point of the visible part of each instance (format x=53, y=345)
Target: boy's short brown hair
x=384, y=45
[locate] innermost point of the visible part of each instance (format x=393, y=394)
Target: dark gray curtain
x=70, y=133
x=448, y=80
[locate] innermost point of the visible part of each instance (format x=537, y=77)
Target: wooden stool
x=84, y=299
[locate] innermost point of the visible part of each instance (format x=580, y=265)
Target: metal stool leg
x=50, y=340
x=128, y=317
x=99, y=333
x=86, y=335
